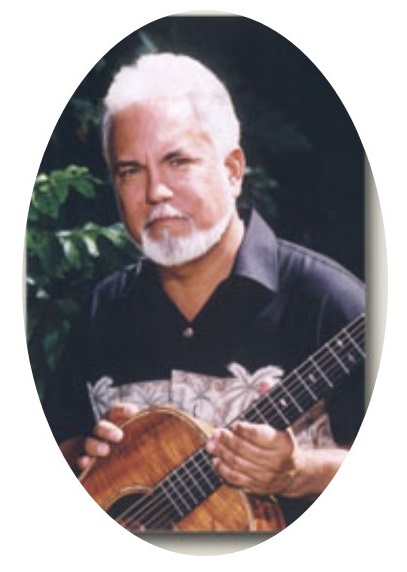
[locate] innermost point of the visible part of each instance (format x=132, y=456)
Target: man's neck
x=191, y=285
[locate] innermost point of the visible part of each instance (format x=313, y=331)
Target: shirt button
x=188, y=332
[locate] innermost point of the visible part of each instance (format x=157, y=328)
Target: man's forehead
x=166, y=121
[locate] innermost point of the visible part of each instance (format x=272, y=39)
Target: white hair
x=170, y=250
x=167, y=75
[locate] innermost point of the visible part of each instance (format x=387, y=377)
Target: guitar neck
x=195, y=479
x=313, y=380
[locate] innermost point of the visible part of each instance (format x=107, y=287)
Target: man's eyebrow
x=173, y=154
x=179, y=153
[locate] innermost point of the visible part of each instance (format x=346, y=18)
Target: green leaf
x=44, y=199
x=91, y=244
x=84, y=186
x=60, y=186
x=45, y=247
x=71, y=251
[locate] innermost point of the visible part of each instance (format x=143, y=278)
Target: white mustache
x=164, y=211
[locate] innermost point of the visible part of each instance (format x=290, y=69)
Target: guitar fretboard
x=195, y=479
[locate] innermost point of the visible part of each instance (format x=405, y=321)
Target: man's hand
x=105, y=433
x=255, y=458
x=258, y=459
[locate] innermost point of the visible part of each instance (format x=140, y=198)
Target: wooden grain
x=156, y=441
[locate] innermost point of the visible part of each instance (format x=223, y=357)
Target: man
x=216, y=300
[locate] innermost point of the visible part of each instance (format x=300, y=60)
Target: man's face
x=172, y=183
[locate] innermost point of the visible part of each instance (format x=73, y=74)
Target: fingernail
x=116, y=435
x=210, y=446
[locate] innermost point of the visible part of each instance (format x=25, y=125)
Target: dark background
x=294, y=126
x=305, y=159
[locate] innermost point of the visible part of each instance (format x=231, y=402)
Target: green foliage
x=304, y=168
x=63, y=263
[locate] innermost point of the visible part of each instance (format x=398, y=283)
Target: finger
x=236, y=478
x=265, y=438
x=237, y=468
x=252, y=477
x=229, y=474
x=121, y=412
x=96, y=448
x=83, y=462
x=108, y=431
x=235, y=442
x=261, y=463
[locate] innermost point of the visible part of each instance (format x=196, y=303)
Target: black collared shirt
x=279, y=304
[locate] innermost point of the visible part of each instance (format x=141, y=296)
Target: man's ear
x=235, y=163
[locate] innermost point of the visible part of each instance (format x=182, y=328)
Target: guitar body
x=160, y=477
x=157, y=441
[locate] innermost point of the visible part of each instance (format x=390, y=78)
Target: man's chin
x=175, y=249
x=172, y=251
x=175, y=227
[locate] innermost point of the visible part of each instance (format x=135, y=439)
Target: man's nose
x=157, y=190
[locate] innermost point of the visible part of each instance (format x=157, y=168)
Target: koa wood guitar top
x=147, y=482
x=160, y=476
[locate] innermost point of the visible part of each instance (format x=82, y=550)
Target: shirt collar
x=257, y=256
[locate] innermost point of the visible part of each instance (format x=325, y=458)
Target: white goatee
x=168, y=250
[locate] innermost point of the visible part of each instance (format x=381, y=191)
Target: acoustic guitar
x=160, y=476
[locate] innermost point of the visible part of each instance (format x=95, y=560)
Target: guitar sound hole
x=140, y=512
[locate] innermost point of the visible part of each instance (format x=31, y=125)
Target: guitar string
x=189, y=485
x=156, y=514
x=157, y=509
x=270, y=405
x=332, y=362
x=298, y=392
x=167, y=516
x=194, y=479
x=191, y=476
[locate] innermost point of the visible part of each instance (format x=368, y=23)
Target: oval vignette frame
x=375, y=274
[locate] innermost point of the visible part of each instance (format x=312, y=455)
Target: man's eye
x=179, y=161
x=128, y=173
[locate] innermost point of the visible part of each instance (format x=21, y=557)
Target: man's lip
x=165, y=220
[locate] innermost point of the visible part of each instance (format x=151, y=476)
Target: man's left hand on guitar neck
x=262, y=460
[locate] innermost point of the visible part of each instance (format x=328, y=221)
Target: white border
x=48, y=47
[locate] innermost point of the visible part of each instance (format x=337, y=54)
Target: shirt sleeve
x=66, y=404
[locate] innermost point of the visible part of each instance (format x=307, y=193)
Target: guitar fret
x=202, y=471
x=179, y=497
x=254, y=415
x=321, y=371
x=345, y=369
x=308, y=389
x=195, y=479
x=190, y=482
x=291, y=397
x=255, y=410
x=280, y=413
x=187, y=478
x=179, y=492
x=355, y=345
